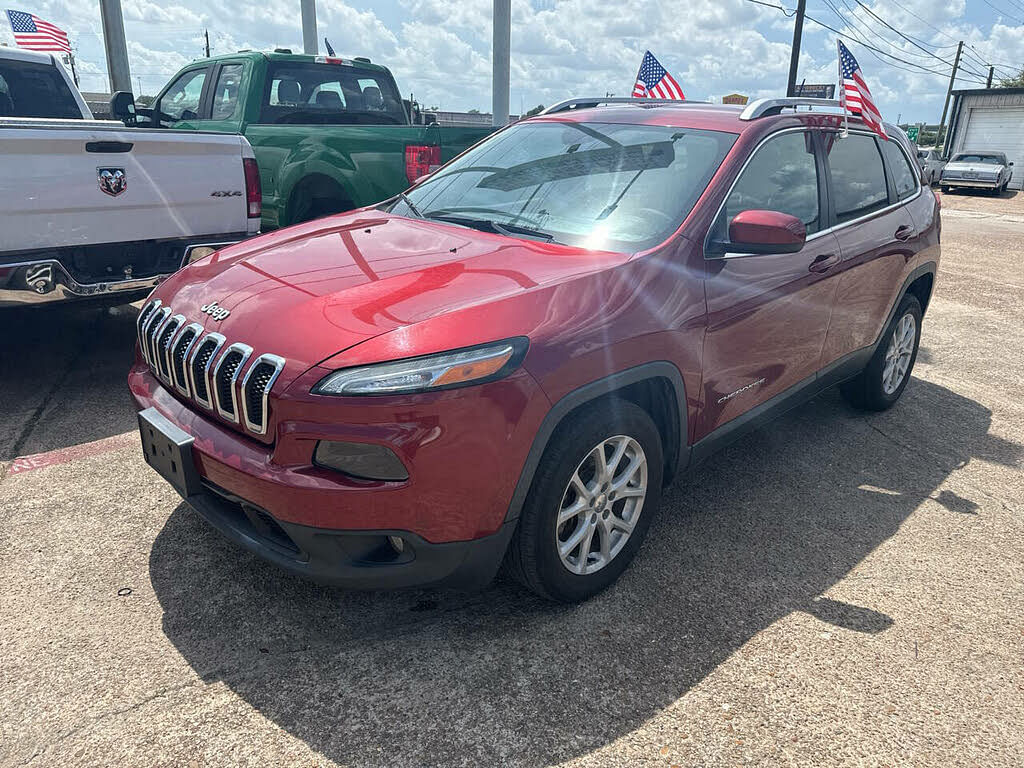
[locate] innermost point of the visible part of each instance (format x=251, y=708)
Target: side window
x=858, y=176
x=902, y=174
x=781, y=176
x=225, y=94
x=181, y=99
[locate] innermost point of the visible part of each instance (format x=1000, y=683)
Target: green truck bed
x=330, y=134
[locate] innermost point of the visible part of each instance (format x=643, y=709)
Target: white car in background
x=931, y=163
x=977, y=170
x=93, y=208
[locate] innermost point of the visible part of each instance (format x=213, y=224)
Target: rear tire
x=887, y=374
x=606, y=514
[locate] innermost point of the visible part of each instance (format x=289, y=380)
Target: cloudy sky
x=440, y=49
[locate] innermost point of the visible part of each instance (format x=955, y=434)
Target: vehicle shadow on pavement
x=416, y=678
x=63, y=376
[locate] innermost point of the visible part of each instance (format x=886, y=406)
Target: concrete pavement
x=834, y=589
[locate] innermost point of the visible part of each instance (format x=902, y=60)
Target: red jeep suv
x=510, y=361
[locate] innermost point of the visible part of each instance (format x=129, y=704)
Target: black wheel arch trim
x=591, y=392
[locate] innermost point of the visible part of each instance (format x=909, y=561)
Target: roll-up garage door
x=998, y=129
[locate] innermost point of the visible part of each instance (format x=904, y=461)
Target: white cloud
x=440, y=50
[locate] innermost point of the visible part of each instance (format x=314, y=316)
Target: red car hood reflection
x=311, y=291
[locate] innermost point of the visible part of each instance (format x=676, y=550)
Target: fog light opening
x=365, y=461
x=397, y=543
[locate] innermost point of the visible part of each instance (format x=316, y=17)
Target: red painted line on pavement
x=71, y=453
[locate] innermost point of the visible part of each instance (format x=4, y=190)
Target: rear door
x=877, y=235
x=768, y=314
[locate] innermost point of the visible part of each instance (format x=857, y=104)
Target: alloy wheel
x=897, y=357
x=601, y=505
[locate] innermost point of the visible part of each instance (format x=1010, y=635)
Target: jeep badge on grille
x=214, y=311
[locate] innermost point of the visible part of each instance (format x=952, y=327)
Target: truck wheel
x=592, y=500
x=883, y=380
x=945, y=189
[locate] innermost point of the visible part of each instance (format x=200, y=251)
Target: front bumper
x=353, y=559
x=47, y=280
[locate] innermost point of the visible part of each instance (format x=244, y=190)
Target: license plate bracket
x=168, y=450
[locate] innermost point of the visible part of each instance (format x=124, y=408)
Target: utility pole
x=991, y=71
x=310, y=46
x=949, y=91
x=207, y=35
x=116, y=47
x=501, y=45
x=794, y=55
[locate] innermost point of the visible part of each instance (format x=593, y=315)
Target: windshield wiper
x=409, y=204
x=489, y=225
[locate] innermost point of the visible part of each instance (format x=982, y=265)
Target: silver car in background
x=977, y=170
x=931, y=163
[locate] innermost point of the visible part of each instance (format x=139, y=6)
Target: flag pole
x=74, y=74
x=638, y=71
x=842, y=93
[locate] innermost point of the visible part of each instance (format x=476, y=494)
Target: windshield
x=987, y=159
x=598, y=185
x=330, y=94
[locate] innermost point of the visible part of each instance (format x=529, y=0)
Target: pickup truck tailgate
x=160, y=184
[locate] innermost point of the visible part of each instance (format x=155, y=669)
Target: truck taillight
x=253, y=192
x=421, y=159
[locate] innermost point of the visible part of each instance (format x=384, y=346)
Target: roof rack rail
x=584, y=103
x=764, y=107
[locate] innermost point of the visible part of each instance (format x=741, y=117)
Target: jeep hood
x=316, y=289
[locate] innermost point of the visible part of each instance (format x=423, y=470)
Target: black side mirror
x=122, y=107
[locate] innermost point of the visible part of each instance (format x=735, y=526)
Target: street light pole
x=794, y=54
x=116, y=47
x=500, y=55
x=309, y=36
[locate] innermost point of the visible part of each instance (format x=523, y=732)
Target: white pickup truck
x=93, y=208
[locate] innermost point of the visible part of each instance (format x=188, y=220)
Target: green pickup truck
x=330, y=134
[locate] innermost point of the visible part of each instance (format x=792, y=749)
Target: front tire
x=886, y=375
x=592, y=500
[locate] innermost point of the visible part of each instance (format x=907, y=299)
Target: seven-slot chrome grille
x=206, y=369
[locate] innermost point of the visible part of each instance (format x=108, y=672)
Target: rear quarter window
x=903, y=175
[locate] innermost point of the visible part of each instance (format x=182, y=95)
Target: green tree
x=473, y=112
x=1017, y=81
x=535, y=111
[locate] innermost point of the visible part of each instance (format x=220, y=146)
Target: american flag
x=854, y=94
x=654, y=82
x=33, y=33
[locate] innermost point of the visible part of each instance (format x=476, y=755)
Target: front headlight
x=458, y=368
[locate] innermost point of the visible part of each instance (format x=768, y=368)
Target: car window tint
x=225, y=95
x=28, y=89
x=858, y=176
x=315, y=94
x=902, y=175
x=181, y=100
x=781, y=176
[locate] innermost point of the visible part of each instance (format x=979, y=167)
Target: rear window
x=30, y=89
x=607, y=186
x=975, y=158
x=330, y=94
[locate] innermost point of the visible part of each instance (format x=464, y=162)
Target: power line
x=1004, y=13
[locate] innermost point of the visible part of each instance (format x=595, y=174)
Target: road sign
x=912, y=133
x=734, y=98
x=819, y=91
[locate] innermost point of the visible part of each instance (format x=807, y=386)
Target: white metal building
x=989, y=119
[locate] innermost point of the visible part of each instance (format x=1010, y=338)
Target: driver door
x=768, y=313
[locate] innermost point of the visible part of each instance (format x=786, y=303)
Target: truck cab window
x=225, y=94
x=308, y=93
x=181, y=99
x=28, y=89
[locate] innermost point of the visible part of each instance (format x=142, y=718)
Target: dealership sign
x=813, y=91
x=734, y=98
